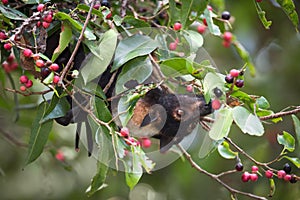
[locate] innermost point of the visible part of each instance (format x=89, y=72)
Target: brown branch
x=28, y=93
x=281, y=114
x=216, y=177
x=111, y=80
x=81, y=37
x=12, y=139
x=123, y=8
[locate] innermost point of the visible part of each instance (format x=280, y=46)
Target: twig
x=216, y=177
x=12, y=139
x=111, y=80
x=68, y=65
x=123, y=8
x=281, y=114
x=28, y=93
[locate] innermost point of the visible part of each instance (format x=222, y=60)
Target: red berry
x=14, y=65
x=38, y=24
x=7, y=46
x=189, y=88
x=96, y=6
x=131, y=141
x=40, y=7
x=259, y=1
x=269, y=174
x=253, y=177
x=173, y=46
x=46, y=24
x=287, y=177
x=4, y=1
x=239, y=83
x=204, y=21
x=108, y=16
x=35, y=56
x=245, y=177
x=27, y=53
x=48, y=18
x=23, y=79
x=226, y=44
x=3, y=36
x=6, y=66
x=201, y=28
x=23, y=88
x=234, y=72
x=227, y=36
x=10, y=58
x=40, y=63
x=146, y=142
x=124, y=132
x=209, y=8
x=54, y=67
x=177, y=26
x=254, y=169
x=55, y=79
x=216, y=104
x=29, y=84
x=281, y=174
x=239, y=166
x=60, y=156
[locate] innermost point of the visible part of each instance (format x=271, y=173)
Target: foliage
x=135, y=46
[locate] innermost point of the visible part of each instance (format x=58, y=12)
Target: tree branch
x=216, y=177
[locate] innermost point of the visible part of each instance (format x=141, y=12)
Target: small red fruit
x=189, y=88
x=254, y=169
x=40, y=63
x=173, y=46
x=55, y=79
x=146, y=142
x=38, y=24
x=4, y=1
x=216, y=104
x=6, y=66
x=23, y=88
x=287, y=177
x=45, y=24
x=40, y=7
x=234, y=72
x=10, y=58
x=124, y=132
x=259, y=1
x=281, y=174
x=27, y=53
x=54, y=67
x=108, y=16
x=3, y=36
x=7, y=46
x=226, y=44
x=29, y=84
x=23, y=79
x=131, y=141
x=253, y=177
x=48, y=18
x=245, y=177
x=96, y=6
x=227, y=36
x=60, y=156
x=201, y=28
x=14, y=65
x=177, y=26
x=269, y=174
x=209, y=8
x=204, y=21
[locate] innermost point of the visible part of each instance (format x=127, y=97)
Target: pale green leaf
x=222, y=124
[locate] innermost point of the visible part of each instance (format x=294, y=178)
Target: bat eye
x=180, y=113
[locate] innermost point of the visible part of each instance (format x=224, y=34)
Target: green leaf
x=222, y=124
x=297, y=128
x=225, y=151
x=287, y=140
x=289, y=8
x=214, y=29
x=88, y=34
x=194, y=39
x=64, y=40
x=247, y=122
x=140, y=155
x=102, y=55
x=132, y=47
x=242, y=96
x=138, y=69
x=175, y=67
x=272, y=187
x=211, y=81
x=262, y=103
x=125, y=109
x=12, y=13
x=136, y=23
x=245, y=56
x=262, y=16
x=295, y=161
x=39, y=134
x=86, y=8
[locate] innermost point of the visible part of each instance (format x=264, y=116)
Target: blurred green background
x=275, y=53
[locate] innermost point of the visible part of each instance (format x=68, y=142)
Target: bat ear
x=165, y=143
x=148, y=120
